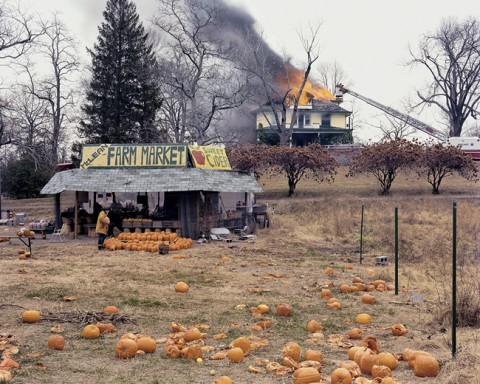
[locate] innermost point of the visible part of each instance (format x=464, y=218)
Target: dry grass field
x=319, y=227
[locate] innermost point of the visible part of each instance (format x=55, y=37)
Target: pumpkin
x=192, y=352
x=381, y=371
x=90, y=332
x=262, y=308
x=9, y=363
x=387, y=359
x=235, y=355
x=293, y=350
x=352, y=367
x=376, y=283
x=372, y=343
x=181, y=287
x=416, y=354
x=334, y=305
x=389, y=380
x=344, y=288
x=283, y=310
x=146, y=344
x=265, y=323
x=359, y=353
x=126, y=348
x=110, y=310
x=56, y=342
x=223, y=380
x=398, y=329
x=30, y=316
x=106, y=327
x=314, y=355
x=290, y=363
x=325, y=294
x=192, y=334
x=172, y=351
x=352, y=351
x=363, y=318
x=244, y=343
x=367, y=361
x=355, y=333
x=356, y=279
x=306, y=375
x=341, y=376
x=408, y=354
x=314, y=326
x=353, y=289
x=368, y=299
x=426, y=366
x=328, y=271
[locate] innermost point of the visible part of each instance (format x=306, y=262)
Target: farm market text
x=140, y=155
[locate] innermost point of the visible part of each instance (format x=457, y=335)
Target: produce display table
x=24, y=240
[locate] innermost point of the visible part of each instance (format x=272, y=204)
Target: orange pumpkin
x=235, y=355
x=314, y=355
x=244, y=343
x=56, y=342
x=126, y=348
x=223, y=380
x=293, y=350
x=426, y=366
x=341, y=376
x=106, y=327
x=110, y=310
x=306, y=375
x=30, y=316
x=181, y=287
x=90, y=332
x=283, y=310
x=146, y=344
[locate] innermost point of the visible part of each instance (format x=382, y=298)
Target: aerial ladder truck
x=470, y=145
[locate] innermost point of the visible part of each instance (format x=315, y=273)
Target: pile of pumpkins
x=148, y=242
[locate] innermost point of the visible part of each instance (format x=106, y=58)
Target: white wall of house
x=314, y=120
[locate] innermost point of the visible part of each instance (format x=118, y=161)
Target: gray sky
x=368, y=38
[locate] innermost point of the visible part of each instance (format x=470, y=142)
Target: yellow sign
x=134, y=155
x=209, y=157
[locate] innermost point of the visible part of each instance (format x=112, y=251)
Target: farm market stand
x=187, y=189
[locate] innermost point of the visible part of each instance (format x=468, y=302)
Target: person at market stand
x=101, y=229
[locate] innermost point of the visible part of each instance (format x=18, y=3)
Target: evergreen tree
x=122, y=99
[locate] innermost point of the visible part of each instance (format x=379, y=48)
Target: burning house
x=318, y=118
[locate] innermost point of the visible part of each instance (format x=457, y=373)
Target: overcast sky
x=368, y=38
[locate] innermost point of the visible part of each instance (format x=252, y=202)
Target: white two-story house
x=318, y=121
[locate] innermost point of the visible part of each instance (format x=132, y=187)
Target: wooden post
x=58, y=216
x=75, y=223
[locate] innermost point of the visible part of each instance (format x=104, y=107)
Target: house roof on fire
x=150, y=180
x=316, y=106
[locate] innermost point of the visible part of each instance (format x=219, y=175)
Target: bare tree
x=54, y=89
x=277, y=79
x=198, y=76
x=330, y=74
x=451, y=56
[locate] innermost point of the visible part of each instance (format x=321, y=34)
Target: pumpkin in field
x=56, y=342
x=368, y=299
x=363, y=318
x=244, y=343
x=313, y=355
x=341, y=376
x=235, y=355
x=181, y=287
x=325, y=294
x=293, y=350
x=126, y=348
x=381, y=371
x=367, y=361
x=314, y=326
x=90, y=332
x=306, y=375
x=355, y=333
x=110, y=310
x=398, y=329
x=283, y=310
x=223, y=380
x=352, y=367
x=105, y=327
x=146, y=344
x=387, y=359
x=30, y=316
x=192, y=334
x=426, y=366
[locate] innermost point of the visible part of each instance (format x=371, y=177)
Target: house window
x=307, y=119
x=326, y=119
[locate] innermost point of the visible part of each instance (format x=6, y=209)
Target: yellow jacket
x=102, y=223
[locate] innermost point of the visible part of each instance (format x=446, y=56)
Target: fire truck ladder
x=392, y=112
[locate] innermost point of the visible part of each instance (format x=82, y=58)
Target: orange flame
x=293, y=80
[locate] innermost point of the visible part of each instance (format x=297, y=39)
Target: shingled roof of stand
x=150, y=180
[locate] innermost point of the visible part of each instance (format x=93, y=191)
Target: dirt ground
x=285, y=263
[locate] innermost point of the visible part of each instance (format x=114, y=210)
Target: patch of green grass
x=137, y=302
x=48, y=293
